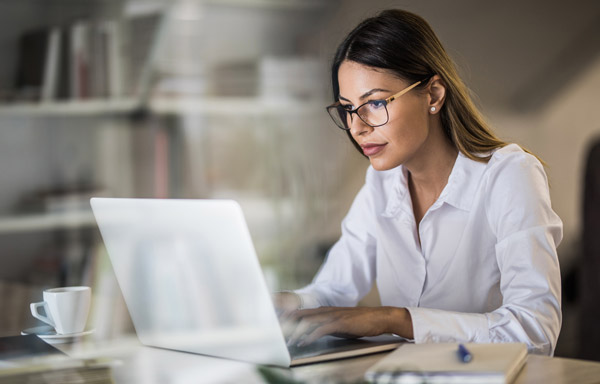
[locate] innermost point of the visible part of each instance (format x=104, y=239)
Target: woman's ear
x=436, y=94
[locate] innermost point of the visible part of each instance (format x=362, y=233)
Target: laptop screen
x=190, y=277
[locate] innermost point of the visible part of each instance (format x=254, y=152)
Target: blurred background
x=225, y=99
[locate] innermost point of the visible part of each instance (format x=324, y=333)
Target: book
x=33, y=57
x=114, y=57
x=440, y=363
x=86, y=51
x=80, y=60
x=99, y=62
x=63, y=87
x=141, y=40
x=51, y=66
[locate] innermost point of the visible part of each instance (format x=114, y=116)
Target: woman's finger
x=304, y=327
x=318, y=332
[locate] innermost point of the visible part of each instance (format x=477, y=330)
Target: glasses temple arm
x=402, y=92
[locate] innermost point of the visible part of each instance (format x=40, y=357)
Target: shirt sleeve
x=348, y=272
x=527, y=231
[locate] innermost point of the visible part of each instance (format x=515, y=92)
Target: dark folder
x=13, y=347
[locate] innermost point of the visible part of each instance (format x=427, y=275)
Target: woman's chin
x=379, y=164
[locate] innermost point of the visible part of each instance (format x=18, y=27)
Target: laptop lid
x=190, y=277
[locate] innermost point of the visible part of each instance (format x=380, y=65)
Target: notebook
x=440, y=363
x=192, y=282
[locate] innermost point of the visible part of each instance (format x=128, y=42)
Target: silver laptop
x=192, y=282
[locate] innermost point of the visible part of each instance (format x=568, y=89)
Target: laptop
x=192, y=282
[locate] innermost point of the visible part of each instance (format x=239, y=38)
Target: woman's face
x=401, y=139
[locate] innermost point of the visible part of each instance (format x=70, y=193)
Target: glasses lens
x=374, y=113
x=339, y=116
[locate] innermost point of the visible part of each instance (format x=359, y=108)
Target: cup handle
x=35, y=313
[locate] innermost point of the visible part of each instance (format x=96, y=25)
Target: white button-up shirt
x=485, y=269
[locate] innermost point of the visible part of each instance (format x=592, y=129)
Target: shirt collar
x=463, y=182
x=459, y=191
x=399, y=200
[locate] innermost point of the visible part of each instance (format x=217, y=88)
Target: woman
x=454, y=225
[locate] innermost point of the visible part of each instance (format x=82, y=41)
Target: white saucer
x=49, y=335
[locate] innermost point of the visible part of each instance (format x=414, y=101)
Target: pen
x=463, y=354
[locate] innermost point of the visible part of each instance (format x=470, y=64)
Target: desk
x=539, y=369
x=134, y=363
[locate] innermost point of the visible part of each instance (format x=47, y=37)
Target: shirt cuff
x=439, y=326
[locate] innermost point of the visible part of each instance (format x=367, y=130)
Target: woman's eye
x=377, y=104
x=347, y=107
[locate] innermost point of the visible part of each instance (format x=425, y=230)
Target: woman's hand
x=311, y=324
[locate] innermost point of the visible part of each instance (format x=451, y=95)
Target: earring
x=432, y=109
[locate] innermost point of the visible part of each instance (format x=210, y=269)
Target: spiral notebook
x=440, y=363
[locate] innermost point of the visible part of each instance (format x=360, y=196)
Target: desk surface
x=134, y=363
x=538, y=369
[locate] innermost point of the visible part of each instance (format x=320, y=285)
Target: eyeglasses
x=374, y=113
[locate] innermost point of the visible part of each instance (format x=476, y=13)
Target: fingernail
x=301, y=342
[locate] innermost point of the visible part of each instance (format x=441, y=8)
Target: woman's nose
x=358, y=127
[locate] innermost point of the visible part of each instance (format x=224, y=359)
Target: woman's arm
x=311, y=324
x=348, y=272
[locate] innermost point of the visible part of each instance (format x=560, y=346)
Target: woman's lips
x=372, y=149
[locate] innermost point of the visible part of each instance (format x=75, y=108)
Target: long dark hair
x=405, y=44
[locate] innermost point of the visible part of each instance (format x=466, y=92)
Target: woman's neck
x=429, y=172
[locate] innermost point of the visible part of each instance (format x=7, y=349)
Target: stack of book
x=78, y=61
x=83, y=60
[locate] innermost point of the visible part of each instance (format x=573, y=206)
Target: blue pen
x=463, y=354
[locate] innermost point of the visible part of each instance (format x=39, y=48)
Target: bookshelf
x=57, y=141
x=181, y=138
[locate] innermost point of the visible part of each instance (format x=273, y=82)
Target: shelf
x=47, y=221
x=71, y=108
x=162, y=105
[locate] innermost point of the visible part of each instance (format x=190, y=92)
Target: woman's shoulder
x=516, y=192
x=513, y=159
x=511, y=153
x=512, y=169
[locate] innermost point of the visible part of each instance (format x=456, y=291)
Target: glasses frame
x=333, y=108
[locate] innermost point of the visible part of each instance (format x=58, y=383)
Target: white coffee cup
x=66, y=308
